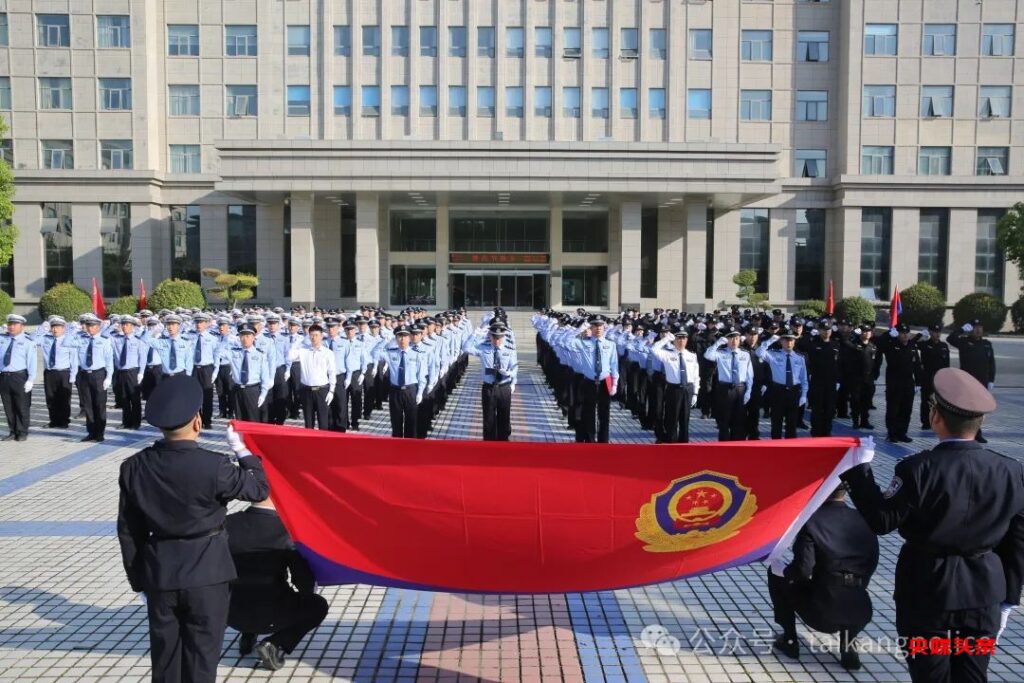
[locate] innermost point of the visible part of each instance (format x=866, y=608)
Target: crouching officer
x=960, y=508
x=262, y=597
x=170, y=524
x=834, y=556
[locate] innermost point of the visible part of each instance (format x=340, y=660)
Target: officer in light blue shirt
x=735, y=374
x=500, y=367
x=60, y=370
x=251, y=373
x=407, y=372
x=129, y=366
x=176, y=351
x=95, y=376
x=789, y=382
x=597, y=359
x=356, y=361
x=17, y=373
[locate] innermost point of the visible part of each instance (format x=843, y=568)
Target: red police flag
x=895, y=307
x=99, y=309
x=830, y=303
x=142, y=295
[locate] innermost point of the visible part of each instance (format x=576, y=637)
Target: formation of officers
x=735, y=366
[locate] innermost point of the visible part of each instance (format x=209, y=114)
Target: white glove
x=362, y=378
x=235, y=442
x=288, y=373
x=814, y=333
x=693, y=401
x=719, y=326
x=746, y=399
x=893, y=333
x=856, y=331
x=141, y=595
x=348, y=381
x=837, y=387
x=915, y=391
x=330, y=397
x=702, y=327
x=802, y=402
x=615, y=389
x=862, y=455
x=419, y=398
x=139, y=377
x=259, y=403
x=778, y=567
x=28, y=386
x=106, y=384
x=926, y=335
x=835, y=328
x=991, y=386
x=967, y=327
x=512, y=390
x=1004, y=616
x=764, y=389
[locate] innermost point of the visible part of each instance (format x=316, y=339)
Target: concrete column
x=843, y=248
x=270, y=255
x=327, y=256
x=151, y=244
x=726, y=257
x=367, y=248
x=213, y=237
x=29, y=272
x=555, y=231
x=87, y=245
x=441, y=256
x=696, y=245
x=672, y=267
x=303, y=250
x=781, y=255
x=963, y=242
x=615, y=267
x=630, y=222
x=906, y=240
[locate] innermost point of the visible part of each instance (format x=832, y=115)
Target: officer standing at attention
x=789, y=382
x=318, y=375
x=17, y=373
x=129, y=367
x=95, y=377
x=500, y=367
x=902, y=377
x=223, y=383
x=60, y=368
x=682, y=381
x=251, y=375
x=408, y=381
x=960, y=508
x=357, y=361
x=934, y=357
x=823, y=366
x=204, y=362
x=170, y=525
x=735, y=376
x=597, y=360
x=977, y=357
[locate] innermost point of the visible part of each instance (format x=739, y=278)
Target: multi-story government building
x=597, y=153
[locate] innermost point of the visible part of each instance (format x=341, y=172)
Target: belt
x=936, y=552
x=406, y=386
x=316, y=388
x=191, y=537
x=13, y=372
x=780, y=385
x=730, y=385
x=249, y=386
x=845, y=580
x=89, y=372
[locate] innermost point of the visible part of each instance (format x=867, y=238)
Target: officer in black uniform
x=860, y=372
x=960, y=508
x=977, y=357
x=823, y=369
x=170, y=525
x=834, y=556
x=762, y=378
x=934, y=357
x=902, y=377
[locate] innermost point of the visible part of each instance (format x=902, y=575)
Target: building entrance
x=507, y=288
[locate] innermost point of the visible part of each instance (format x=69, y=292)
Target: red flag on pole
x=895, y=307
x=142, y=294
x=830, y=304
x=98, y=307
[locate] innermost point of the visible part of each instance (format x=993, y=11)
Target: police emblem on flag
x=694, y=511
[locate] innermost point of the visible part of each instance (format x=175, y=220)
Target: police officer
x=204, y=365
x=762, y=378
x=282, y=342
x=934, y=357
x=902, y=377
x=823, y=367
x=318, y=375
x=499, y=366
x=789, y=382
x=170, y=525
x=17, y=374
x=223, y=382
x=60, y=367
x=407, y=382
x=960, y=508
x=682, y=381
x=251, y=375
x=294, y=335
x=860, y=371
x=357, y=361
x=735, y=381
x=977, y=357
x=597, y=361
x=176, y=352
x=154, y=364
x=95, y=377
x=129, y=366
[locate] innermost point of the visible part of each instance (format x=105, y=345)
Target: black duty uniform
x=902, y=377
x=977, y=357
x=934, y=357
x=171, y=529
x=824, y=372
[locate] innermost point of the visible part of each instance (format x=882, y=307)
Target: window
x=936, y=101
x=240, y=41
x=183, y=100
x=298, y=100
x=371, y=41
x=879, y=101
x=997, y=40
x=514, y=45
x=514, y=102
x=4, y=33
x=185, y=243
x=116, y=155
x=572, y=42
x=116, y=237
x=939, y=40
x=659, y=49
x=571, y=102
x=880, y=40
x=656, y=103
x=343, y=41
x=115, y=94
x=185, y=159
x=58, y=153
x=809, y=163
x=649, y=253
x=456, y=100
x=630, y=42
x=53, y=30
x=809, y=268
x=933, y=161
x=499, y=232
x=627, y=103
x=456, y=41
x=875, y=240
x=756, y=46
x=812, y=46
x=932, y=247
x=876, y=160
x=485, y=41
x=413, y=285
x=988, y=259
x=698, y=103
x=348, y=251
x=241, y=100
x=298, y=40
x=342, y=100
x=428, y=41
x=812, y=105
x=7, y=151
x=542, y=41
x=55, y=93
x=756, y=105
x=993, y=160
x=585, y=232
x=399, y=100
x=242, y=239
x=5, y=92
x=399, y=41
x=599, y=103
x=413, y=231
x=994, y=101
x=585, y=286
x=542, y=101
x=754, y=254
x=700, y=43
x=182, y=40
x=485, y=101
x=57, y=244
x=113, y=31
x=599, y=42
x=428, y=100
x=709, y=254
x=371, y=101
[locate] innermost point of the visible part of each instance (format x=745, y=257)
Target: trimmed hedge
x=6, y=304
x=985, y=307
x=173, y=294
x=923, y=304
x=856, y=309
x=1017, y=315
x=812, y=308
x=65, y=300
x=126, y=305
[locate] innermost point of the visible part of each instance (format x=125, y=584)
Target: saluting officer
x=176, y=352
x=682, y=381
x=204, y=362
x=789, y=382
x=408, y=381
x=500, y=368
x=356, y=359
x=223, y=382
x=902, y=377
x=318, y=374
x=735, y=376
x=154, y=363
x=60, y=370
x=977, y=357
x=861, y=371
x=170, y=525
x=17, y=373
x=598, y=362
x=823, y=367
x=251, y=375
x=129, y=366
x=934, y=357
x=762, y=378
x=95, y=377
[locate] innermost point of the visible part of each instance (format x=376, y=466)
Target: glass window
x=498, y=233
x=113, y=31
x=571, y=102
x=342, y=100
x=399, y=100
x=875, y=241
x=371, y=101
x=55, y=93
x=343, y=40
x=115, y=94
x=993, y=160
x=371, y=40
x=399, y=41
x=756, y=46
x=700, y=43
x=542, y=101
x=649, y=253
x=428, y=100
x=116, y=155
x=627, y=103
x=456, y=100
x=599, y=42
x=242, y=239
x=428, y=41
x=183, y=40
x=298, y=100
x=812, y=105
x=240, y=100
x=183, y=100
x=456, y=41
x=185, y=159
x=348, y=250
x=185, y=261
x=932, y=247
x=585, y=286
x=298, y=40
x=812, y=46
x=413, y=231
x=809, y=270
x=5, y=92
x=240, y=40
x=997, y=40
x=933, y=161
x=994, y=101
x=754, y=253
x=53, y=30
x=939, y=40
x=286, y=233
x=57, y=245
x=514, y=102
x=709, y=254
x=876, y=160
x=809, y=163
x=880, y=39
x=659, y=49
x=116, y=237
x=936, y=101
x=585, y=232
x=988, y=258
x=599, y=103
x=7, y=151
x=542, y=41
x=58, y=153
x=4, y=33
x=698, y=103
x=879, y=101
x=656, y=103
x=629, y=39
x=572, y=42
x=485, y=101
x=756, y=105
x=413, y=285
x=514, y=41
x=485, y=41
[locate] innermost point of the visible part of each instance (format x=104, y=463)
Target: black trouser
x=17, y=402
x=131, y=399
x=753, y=413
x=315, y=411
x=424, y=414
x=116, y=388
x=822, y=398
x=94, y=401
x=355, y=399
x=369, y=395
x=729, y=411
x=245, y=401
x=927, y=391
x=862, y=393
x=384, y=385
x=656, y=404
x=785, y=409
x=595, y=397
x=677, y=413
x=204, y=375
x=962, y=668
x=843, y=399
x=294, y=617
x=278, y=397
x=186, y=631
x=295, y=390
x=790, y=599
x=57, y=389
x=496, y=400
x=225, y=385
x=150, y=378
x=899, y=406
x=403, y=408
x=339, y=406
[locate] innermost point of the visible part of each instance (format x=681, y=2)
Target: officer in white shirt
x=682, y=378
x=318, y=373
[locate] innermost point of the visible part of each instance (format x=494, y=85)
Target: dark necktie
x=682, y=370
x=53, y=354
x=199, y=349
x=9, y=352
x=735, y=367
x=243, y=376
x=401, y=371
x=789, y=370
x=88, y=355
x=597, y=360
x=149, y=356
x=174, y=356
x=124, y=353
x=496, y=364
x=330, y=343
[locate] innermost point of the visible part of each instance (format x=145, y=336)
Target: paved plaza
x=68, y=614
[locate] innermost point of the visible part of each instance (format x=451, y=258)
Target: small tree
x=1011, y=235
x=126, y=305
x=171, y=294
x=8, y=231
x=855, y=309
x=812, y=308
x=923, y=304
x=746, y=280
x=231, y=287
x=988, y=309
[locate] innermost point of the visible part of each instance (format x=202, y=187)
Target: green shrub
x=985, y=307
x=126, y=305
x=6, y=304
x=1017, y=314
x=65, y=300
x=923, y=304
x=172, y=294
x=856, y=309
x=812, y=308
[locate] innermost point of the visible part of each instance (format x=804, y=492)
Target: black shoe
x=9, y=437
x=866, y=425
x=270, y=655
x=246, y=643
x=87, y=437
x=21, y=437
x=906, y=439
x=926, y=428
x=99, y=439
x=981, y=439
x=850, y=660
x=788, y=645
x=802, y=425
x=892, y=439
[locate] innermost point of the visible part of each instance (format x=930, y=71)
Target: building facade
x=599, y=153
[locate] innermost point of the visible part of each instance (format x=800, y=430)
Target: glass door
x=507, y=291
x=489, y=293
x=539, y=297
x=458, y=289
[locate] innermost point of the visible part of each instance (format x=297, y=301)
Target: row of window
x=116, y=246
x=878, y=160
x=939, y=40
